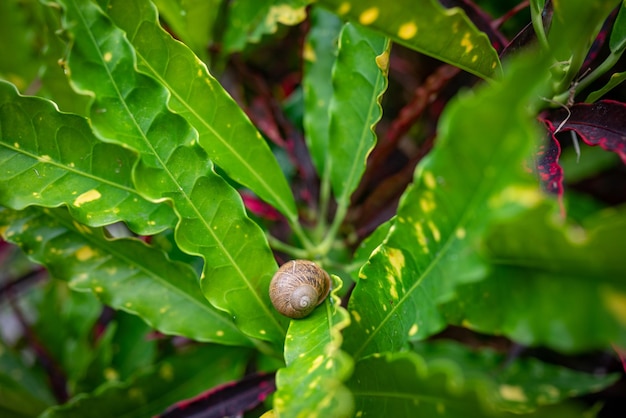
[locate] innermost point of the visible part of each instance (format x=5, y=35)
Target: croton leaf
x=319, y=55
x=248, y=20
x=550, y=172
x=224, y=131
x=431, y=245
x=131, y=108
x=602, y=123
x=191, y=20
x=359, y=81
x=556, y=285
x=406, y=384
x=428, y=28
x=49, y=158
x=518, y=385
x=23, y=389
x=151, y=391
x=125, y=273
x=229, y=399
x=313, y=345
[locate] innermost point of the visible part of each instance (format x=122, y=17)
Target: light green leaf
x=471, y=176
x=615, y=80
x=249, y=20
x=359, y=81
x=320, y=52
x=131, y=108
x=519, y=385
x=48, y=158
x=425, y=26
x=313, y=345
x=556, y=285
x=406, y=385
x=224, y=131
x=125, y=273
x=151, y=392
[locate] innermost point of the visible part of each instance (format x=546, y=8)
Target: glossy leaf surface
x=425, y=27
x=170, y=299
x=48, y=158
x=224, y=131
x=359, y=80
x=131, y=108
x=314, y=344
x=431, y=246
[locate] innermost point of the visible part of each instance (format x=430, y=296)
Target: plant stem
x=296, y=252
x=537, y=21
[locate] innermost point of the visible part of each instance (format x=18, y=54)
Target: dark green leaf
x=23, y=392
x=431, y=245
x=359, y=80
x=405, y=385
x=520, y=385
x=192, y=21
x=554, y=285
x=617, y=41
x=320, y=52
x=131, y=108
x=427, y=27
x=225, y=133
x=151, y=392
x=248, y=20
x=48, y=158
x=125, y=273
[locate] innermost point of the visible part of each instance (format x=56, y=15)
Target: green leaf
x=224, y=131
x=150, y=392
x=64, y=325
x=617, y=41
x=319, y=55
x=249, y=20
x=556, y=285
x=48, y=158
x=131, y=108
x=406, y=385
x=192, y=21
x=471, y=176
x=359, y=80
x=615, y=80
x=519, y=385
x=427, y=27
x=23, y=392
x=313, y=345
x=18, y=50
x=125, y=273
x=132, y=344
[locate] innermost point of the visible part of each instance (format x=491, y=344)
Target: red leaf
x=602, y=123
x=230, y=399
x=550, y=172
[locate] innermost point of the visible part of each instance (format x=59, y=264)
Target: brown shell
x=298, y=287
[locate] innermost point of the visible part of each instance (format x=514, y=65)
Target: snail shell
x=298, y=287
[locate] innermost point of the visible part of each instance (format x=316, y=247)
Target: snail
x=298, y=287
